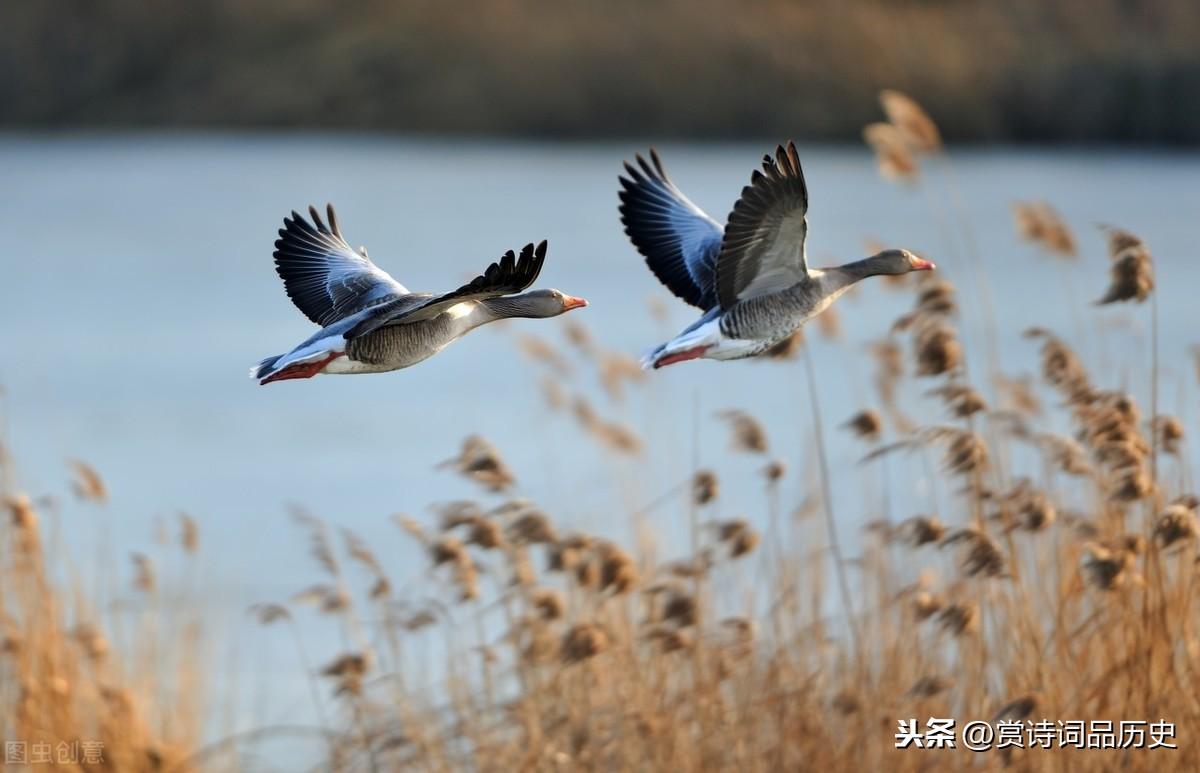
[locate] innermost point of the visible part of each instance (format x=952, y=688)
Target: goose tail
x=693, y=343
x=650, y=357
x=305, y=361
x=264, y=367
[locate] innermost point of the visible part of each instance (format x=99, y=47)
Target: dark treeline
x=1010, y=70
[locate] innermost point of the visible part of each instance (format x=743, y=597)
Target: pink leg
x=686, y=354
x=301, y=370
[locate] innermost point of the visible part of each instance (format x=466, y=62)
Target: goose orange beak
x=920, y=264
x=571, y=302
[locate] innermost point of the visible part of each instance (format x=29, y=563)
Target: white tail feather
x=310, y=351
x=708, y=334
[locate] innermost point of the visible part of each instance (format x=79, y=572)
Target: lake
x=138, y=289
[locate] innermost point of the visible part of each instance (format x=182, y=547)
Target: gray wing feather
x=763, y=250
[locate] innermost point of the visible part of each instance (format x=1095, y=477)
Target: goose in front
x=370, y=323
x=751, y=278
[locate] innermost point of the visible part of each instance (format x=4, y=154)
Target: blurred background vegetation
x=992, y=70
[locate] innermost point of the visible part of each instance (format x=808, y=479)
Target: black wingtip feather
x=333, y=223
x=316, y=219
x=645, y=165
x=637, y=173
x=658, y=164
x=510, y=274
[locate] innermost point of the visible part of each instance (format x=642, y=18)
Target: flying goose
x=751, y=278
x=370, y=323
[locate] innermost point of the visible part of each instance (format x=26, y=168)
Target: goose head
x=898, y=262
x=537, y=304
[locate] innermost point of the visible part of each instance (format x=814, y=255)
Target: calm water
x=138, y=289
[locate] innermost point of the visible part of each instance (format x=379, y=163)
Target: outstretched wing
x=510, y=274
x=763, y=248
x=679, y=241
x=324, y=277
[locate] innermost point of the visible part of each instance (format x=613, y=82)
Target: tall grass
x=115, y=675
x=1040, y=596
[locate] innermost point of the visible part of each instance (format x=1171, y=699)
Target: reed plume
x=480, y=461
x=746, y=432
x=892, y=154
x=865, y=424
x=1040, y=223
x=914, y=125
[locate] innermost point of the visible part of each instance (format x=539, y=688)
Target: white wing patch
x=460, y=310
